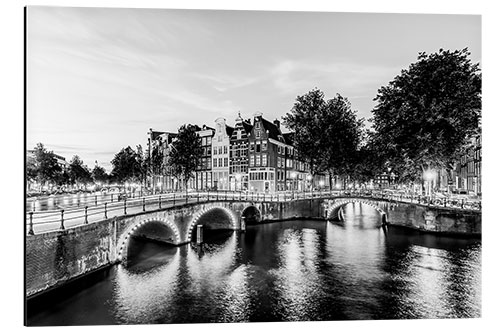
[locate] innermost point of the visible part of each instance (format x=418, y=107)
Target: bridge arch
x=334, y=212
x=229, y=213
x=251, y=214
x=123, y=241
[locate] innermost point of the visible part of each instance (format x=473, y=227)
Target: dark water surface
x=286, y=271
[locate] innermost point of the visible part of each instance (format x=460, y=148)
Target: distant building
x=220, y=154
x=163, y=179
x=203, y=176
x=468, y=169
x=238, y=155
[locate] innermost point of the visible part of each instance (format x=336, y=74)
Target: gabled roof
x=229, y=130
x=273, y=131
x=247, y=126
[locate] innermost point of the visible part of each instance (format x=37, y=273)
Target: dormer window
x=257, y=134
x=257, y=125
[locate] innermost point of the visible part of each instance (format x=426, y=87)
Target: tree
x=126, y=166
x=305, y=121
x=99, y=175
x=327, y=132
x=185, y=154
x=43, y=167
x=78, y=172
x=428, y=113
x=341, y=136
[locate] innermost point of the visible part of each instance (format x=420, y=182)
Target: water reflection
x=297, y=280
x=296, y=270
x=145, y=296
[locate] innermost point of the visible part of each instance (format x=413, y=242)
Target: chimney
x=277, y=123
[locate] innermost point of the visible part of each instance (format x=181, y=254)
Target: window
x=225, y=149
x=251, y=160
x=257, y=124
x=220, y=162
x=209, y=141
x=257, y=148
x=215, y=150
x=264, y=145
x=257, y=134
x=238, y=134
x=220, y=150
x=225, y=161
x=215, y=163
x=203, y=141
x=219, y=138
x=257, y=160
x=264, y=160
x=252, y=147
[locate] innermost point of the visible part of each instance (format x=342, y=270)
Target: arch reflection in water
x=142, y=296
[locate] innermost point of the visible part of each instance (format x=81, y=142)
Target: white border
x=11, y=20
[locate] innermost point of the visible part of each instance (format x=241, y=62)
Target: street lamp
x=429, y=176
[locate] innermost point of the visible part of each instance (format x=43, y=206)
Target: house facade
x=220, y=154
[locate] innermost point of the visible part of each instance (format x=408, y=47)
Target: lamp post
x=428, y=177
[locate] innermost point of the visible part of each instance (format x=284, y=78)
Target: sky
x=99, y=78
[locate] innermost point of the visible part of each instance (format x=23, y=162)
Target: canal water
x=285, y=271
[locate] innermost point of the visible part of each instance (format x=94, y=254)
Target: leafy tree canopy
x=327, y=132
x=426, y=115
x=126, y=166
x=78, y=172
x=185, y=154
x=43, y=165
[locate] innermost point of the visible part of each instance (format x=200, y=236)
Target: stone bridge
x=333, y=207
x=57, y=257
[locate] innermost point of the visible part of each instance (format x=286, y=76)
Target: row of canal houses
x=255, y=157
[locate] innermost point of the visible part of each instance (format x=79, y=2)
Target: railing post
x=174, y=199
x=62, y=219
x=86, y=215
x=198, y=197
x=96, y=200
x=462, y=204
x=105, y=210
x=143, y=204
x=30, y=231
x=125, y=206
x=187, y=197
x=217, y=196
x=111, y=197
x=159, y=202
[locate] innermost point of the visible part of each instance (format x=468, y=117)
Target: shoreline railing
x=72, y=216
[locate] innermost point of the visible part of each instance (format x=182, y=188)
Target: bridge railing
x=60, y=219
